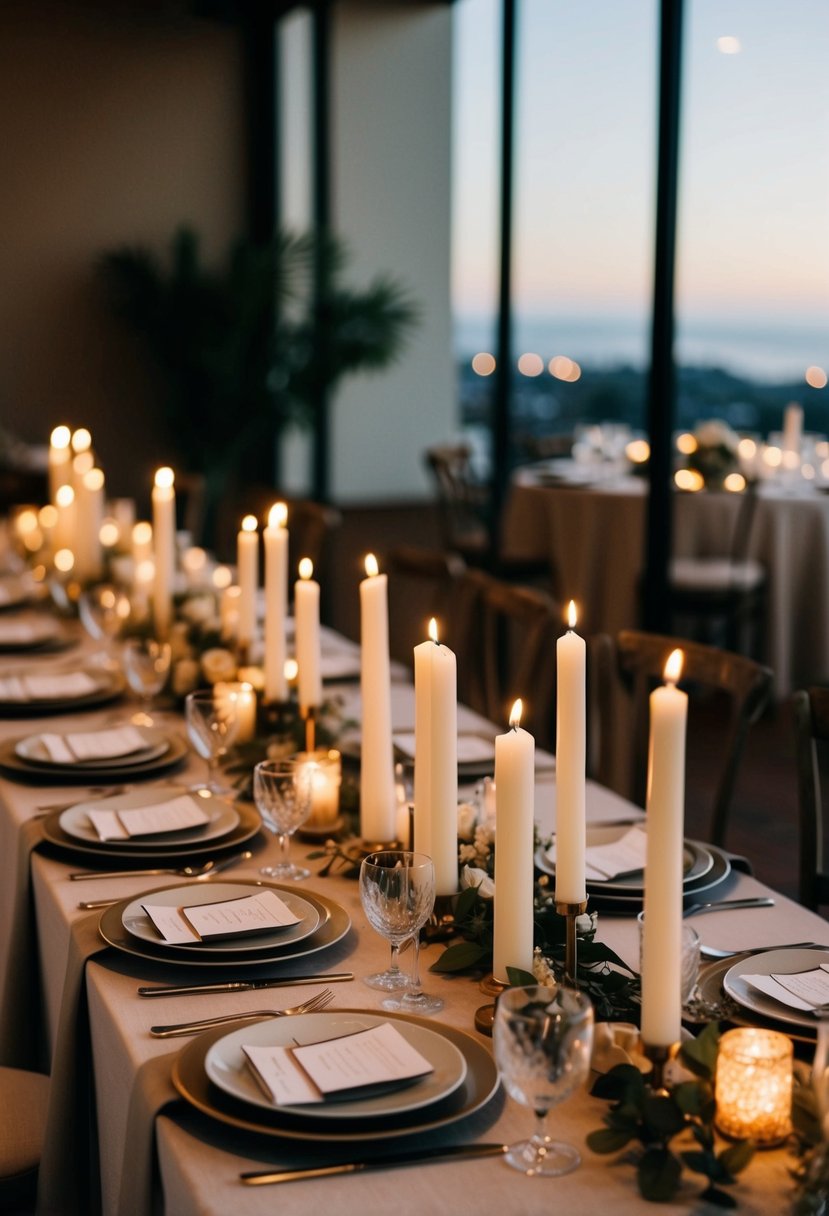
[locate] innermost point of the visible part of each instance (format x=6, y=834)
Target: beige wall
x=114, y=128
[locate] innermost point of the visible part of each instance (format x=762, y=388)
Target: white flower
x=198, y=608
x=715, y=434
x=185, y=677
x=472, y=877
x=218, y=664
x=467, y=852
x=542, y=970
x=467, y=816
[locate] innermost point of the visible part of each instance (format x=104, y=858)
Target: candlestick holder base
x=659, y=1057
x=276, y=717
x=485, y=1014
x=364, y=847
x=572, y=912
x=309, y=713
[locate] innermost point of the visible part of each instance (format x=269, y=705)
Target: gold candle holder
x=660, y=1057
x=309, y=715
x=753, y=1087
x=485, y=1014
x=572, y=912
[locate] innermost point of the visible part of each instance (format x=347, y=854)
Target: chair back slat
x=811, y=722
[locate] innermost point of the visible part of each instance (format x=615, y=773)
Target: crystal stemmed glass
x=543, y=1038
x=211, y=724
x=397, y=890
x=103, y=611
x=282, y=792
x=146, y=665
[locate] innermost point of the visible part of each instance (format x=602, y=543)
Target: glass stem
x=284, y=848
x=415, y=988
x=212, y=771
x=394, y=961
x=540, y=1137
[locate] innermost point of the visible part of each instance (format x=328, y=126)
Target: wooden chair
x=745, y=683
x=23, y=1101
x=424, y=584
x=811, y=719
x=463, y=502
x=722, y=598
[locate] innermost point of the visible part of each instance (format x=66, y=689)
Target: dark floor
x=763, y=825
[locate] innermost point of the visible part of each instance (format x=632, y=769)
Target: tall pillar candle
x=571, y=763
x=307, y=614
x=247, y=557
x=276, y=602
x=514, y=803
x=164, y=538
x=662, y=933
x=89, y=517
x=436, y=759
x=792, y=427
x=377, y=794
x=64, y=533
x=59, y=460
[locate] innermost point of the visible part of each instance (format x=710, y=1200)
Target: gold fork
x=312, y=1005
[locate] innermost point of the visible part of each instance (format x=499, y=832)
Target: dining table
x=122, y=1139
x=590, y=529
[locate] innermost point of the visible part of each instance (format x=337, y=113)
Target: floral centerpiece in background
x=715, y=453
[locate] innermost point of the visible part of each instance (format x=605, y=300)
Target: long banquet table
x=593, y=537
x=197, y=1160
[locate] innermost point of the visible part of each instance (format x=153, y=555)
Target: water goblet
x=397, y=890
x=282, y=791
x=542, y=1038
x=146, y=665
x=103, y=611
x=212, y=723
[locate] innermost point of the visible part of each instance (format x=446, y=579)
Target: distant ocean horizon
x=765, y=351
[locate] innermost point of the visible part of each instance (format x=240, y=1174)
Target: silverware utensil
x=711, y=952
x=457, y=1152
x=725, y=904
x=285, y=981
x=205, y=871
x=315, y=1003
x=100, y=791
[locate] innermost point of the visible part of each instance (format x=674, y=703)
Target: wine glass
x=211, y=724
x=146, y=665
x=282, y=791
x=397, y=890
x=103, y=611
x=543, y=1038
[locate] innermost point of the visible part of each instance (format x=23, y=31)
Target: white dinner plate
x=226, y=1066
x=33, y=751
x=222, y=819
x=770, y=962
x=138, y=924
x=28, y=633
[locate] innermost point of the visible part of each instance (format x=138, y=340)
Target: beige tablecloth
x=594, y=537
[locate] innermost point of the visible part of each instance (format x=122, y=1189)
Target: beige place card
x=93, y=744
x=259, y=913
x=174, y=815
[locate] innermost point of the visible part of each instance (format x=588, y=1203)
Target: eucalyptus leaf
x=609, y=1139
x=658, y=1175
x=519, y=978
x=737, y=1156
x=722, y=1199
x=459, y=957
x=699, y=1055
x=662, y=1116
x=618, y=1083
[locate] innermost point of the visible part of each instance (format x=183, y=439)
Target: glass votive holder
x=323, y=768
x=689, y=965
x=753, y=1087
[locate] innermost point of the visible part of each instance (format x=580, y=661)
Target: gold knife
x=454, y=1153
x=285, y=981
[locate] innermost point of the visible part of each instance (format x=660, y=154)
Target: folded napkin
x=259, y=913
x=606, y=861
x=93, y=744
x=61, y=687
x=175, y=815
x=472, y=749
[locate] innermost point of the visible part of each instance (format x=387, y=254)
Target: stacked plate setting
x=31, y=692
x=227, y=827
x=211, y=1074
x=321, y=923
x=755, y=1008
x=31, y=758
x=705, y=868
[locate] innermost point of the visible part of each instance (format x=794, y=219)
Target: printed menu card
x=337, y=1067
x=259, y=913
x=174, y=815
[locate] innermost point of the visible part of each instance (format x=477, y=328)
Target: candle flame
x=65, y=496
x=249, y=523
x=278, y=515
x=81, y=440
x=109, y=533
x=673, y=667
x=291, y=670
x=164, y=478
x=222, y=578
x=306, y=568
x=433, y=629
x=64, y=560
x=372, y=569
x=94, y=479
x=571, y=615
x=60, y=437
x=515, y=714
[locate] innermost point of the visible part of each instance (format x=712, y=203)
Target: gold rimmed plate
x=334, y=927
x=107, y=686
x=478, y=1087
x=222, y=819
